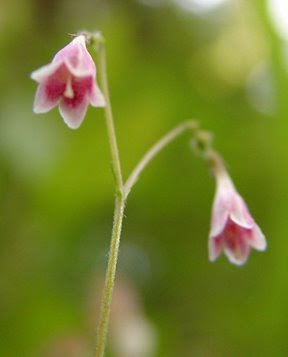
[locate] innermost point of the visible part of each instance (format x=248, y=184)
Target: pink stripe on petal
x=236, y=243
x=42, y=103
x=82, y=87
x=73, y=109
x=56, y=83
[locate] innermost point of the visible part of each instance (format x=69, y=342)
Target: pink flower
x=232, y=228
x=70, y=81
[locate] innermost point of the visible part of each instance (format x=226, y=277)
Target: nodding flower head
x=70, y=81
x=233, y=230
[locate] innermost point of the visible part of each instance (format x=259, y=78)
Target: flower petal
x=70, y=50
x=77, y=69
x=96, y=97
x=45, y=71
x=77, y=59
x=51, y=89
x=42, y=102
x=237, y=249
x=220, y=214
x=257, y=239
x=240, y=214
x=238, y=259
x=232, y=224
x=222, y=204
x=73, y=114
x=215, y=246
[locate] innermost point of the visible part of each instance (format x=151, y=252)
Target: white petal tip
x=72, y=126
x=238, y=263
x=41, y=109
x=212, y=260
x=37, y=110
x=242, y=221
x=97, y=99
x=73, y=118
x=40, y=74
x=258, y=239
x=213, y=256
x=214, y=249
x=261, y=246
x=100, y=104
x=33, y=76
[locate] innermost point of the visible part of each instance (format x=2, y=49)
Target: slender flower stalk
x=109, y=120
x=189, y=125
x=122, y=190
x=118, y=210
x=110, y=277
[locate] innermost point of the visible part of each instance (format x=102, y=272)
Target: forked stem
x=118, y=210
x=122, y=190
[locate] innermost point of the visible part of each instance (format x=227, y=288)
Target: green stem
x=118, y=212
x=109, y=121
x=110, y=277
x=189, y=125
x=122, y=191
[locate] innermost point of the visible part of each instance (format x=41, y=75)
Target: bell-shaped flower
x=70, y=81
x=232, y=228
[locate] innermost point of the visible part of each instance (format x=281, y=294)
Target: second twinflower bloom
x=233, y=229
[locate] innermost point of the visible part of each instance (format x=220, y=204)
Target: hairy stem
x=122, y=190
x=118, y=212
x=110, y=277
x=109, y=122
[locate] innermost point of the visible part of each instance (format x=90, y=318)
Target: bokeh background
x=223, y=62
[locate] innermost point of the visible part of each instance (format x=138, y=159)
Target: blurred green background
x=222, y=62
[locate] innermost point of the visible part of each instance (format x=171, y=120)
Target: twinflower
x=233, y=230
x=70, y=81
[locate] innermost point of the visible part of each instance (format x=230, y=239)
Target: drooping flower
x=70, y=81
x=232, y=228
